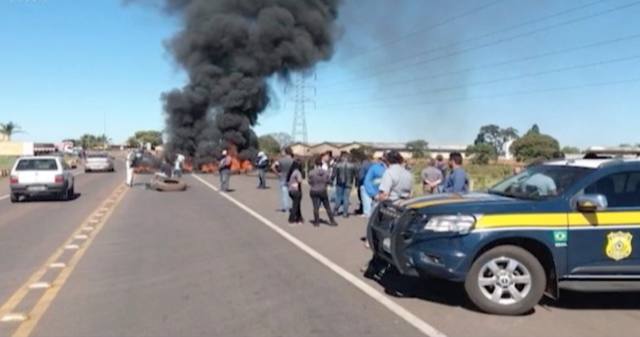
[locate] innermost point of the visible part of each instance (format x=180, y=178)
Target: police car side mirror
x=590, y=203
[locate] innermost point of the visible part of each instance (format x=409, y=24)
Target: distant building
x=16, y=148
x=378, y=148
x=4, y=138
x=44, y=148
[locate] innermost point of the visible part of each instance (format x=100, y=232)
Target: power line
x=496, y=42
x=404, y=37
x=517, y=93
x=486, y=35
x=299, y=131
x=503, y=79
x=500, y=64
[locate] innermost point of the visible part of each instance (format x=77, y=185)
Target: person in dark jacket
x=345, y=176
x=294, y=183
x=319, y=180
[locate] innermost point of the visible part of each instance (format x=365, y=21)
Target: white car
x=41, y=176
x=99, y=162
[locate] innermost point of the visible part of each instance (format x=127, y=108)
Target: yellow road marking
x=40, y=285
x=57, y=265
x=30, y=321
x=13, y=317
x=71, y=247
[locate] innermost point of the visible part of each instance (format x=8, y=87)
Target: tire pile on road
x=162, y=184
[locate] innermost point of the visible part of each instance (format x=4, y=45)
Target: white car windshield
x=37, y=165
x=540, y=182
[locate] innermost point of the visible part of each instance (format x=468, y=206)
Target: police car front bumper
x=434, y=255
x=438, y=258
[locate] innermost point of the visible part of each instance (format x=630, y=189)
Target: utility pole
x=104, y=130
x=300, y=132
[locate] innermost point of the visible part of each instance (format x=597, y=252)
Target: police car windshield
x=540, y=182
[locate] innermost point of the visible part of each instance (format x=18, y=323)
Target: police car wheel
x=506, y=280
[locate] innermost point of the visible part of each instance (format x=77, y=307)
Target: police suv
x=570, y=224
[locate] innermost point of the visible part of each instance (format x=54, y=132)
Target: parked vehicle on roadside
x=100, y=161
x=41, y=176
x=72, y=160
x=568, y=224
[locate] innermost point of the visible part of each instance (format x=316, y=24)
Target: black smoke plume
x=229, y=49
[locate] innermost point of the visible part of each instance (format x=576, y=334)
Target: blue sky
x=570, y=66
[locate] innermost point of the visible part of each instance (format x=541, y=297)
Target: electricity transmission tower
x=299, y=132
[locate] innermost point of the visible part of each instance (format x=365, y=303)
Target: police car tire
x=538, y=279
x=15, y=198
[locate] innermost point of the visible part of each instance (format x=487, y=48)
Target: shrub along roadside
x=6, y=162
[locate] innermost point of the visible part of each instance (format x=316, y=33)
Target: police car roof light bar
x=609, y=152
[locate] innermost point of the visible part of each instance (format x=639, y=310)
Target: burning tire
x=167, y=185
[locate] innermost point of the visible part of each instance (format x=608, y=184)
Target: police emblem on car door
x=619, y=245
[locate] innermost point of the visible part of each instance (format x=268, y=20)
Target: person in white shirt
x=177, y=169
x=131, y=161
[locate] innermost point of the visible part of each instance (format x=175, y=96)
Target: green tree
x=132, y=142
x=418, y=148
x=535, y=145
x=92, y=142
x=570, y=150
x=535, y=129
x=9, y=129
x=361, y=153
x=141, y=138
x=496, y=136
x=482, y=154
x=269, y=145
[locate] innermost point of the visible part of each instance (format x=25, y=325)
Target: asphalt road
x=201, y=263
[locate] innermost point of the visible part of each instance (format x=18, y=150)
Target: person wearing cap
x=262, y=163
x=224, y=168
x=397, y=181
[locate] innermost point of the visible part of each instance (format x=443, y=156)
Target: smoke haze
x=229, y=49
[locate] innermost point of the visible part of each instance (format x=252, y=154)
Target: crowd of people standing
x=332, y=180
